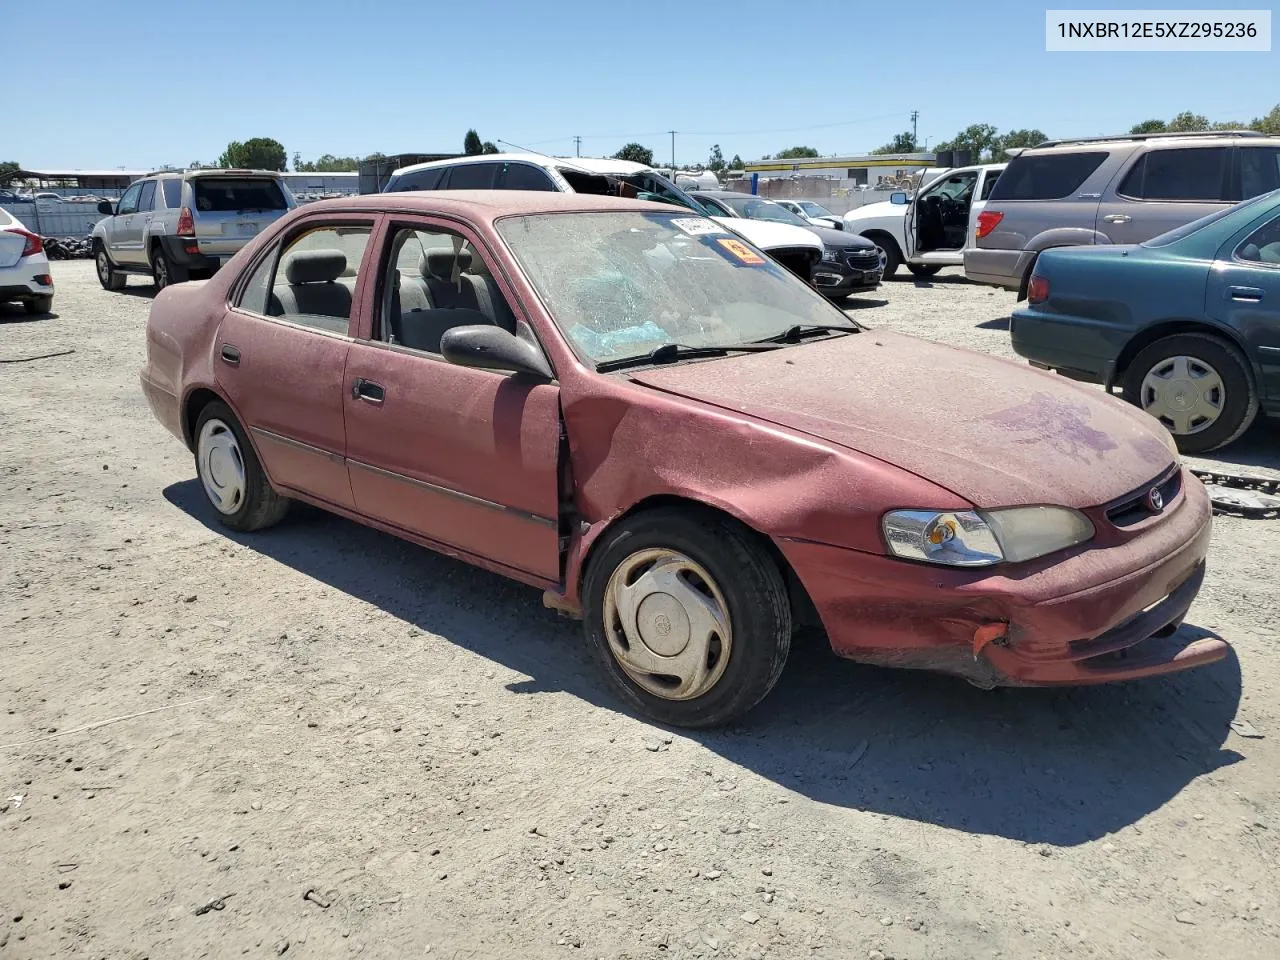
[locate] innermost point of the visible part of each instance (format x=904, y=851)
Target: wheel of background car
x=164, y=271
x=1026, y=277
x=1198, y=385
x=108, y=276
x=37, y=305
x=890, y=255
x=230, y=474
x=923, y=269
x=689, y=615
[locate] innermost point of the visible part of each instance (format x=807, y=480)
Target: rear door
x=1165, y=188
x=229, y=211
x=1243, y=292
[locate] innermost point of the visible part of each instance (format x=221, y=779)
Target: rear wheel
x=923, y=269
x=38, y=305
x=164, y=271
x=108, y=275
x=689, y=615
x=233, y=479
x=1197, y=385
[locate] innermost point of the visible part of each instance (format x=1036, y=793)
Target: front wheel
x=1197, y=385
x=233, y=479
x=923, y=269
x=689, y=615
x=108, y=276
x=890, y=255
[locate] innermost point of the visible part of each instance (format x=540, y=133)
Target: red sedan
x=678, y=441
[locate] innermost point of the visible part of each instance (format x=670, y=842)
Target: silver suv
x=175, y=226
x=1112, y=190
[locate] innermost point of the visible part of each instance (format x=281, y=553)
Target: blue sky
x=140, y=85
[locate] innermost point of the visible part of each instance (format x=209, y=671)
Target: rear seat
x=314, y=289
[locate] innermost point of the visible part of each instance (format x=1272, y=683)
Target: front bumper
x=1099, y=614
x=847, y=275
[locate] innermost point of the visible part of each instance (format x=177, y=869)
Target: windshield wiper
x=669, y=352
x=795, y=333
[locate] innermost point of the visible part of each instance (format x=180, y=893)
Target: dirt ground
x=192, y=717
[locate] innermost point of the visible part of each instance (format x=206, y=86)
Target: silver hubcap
x=104, y=268
x=1183, y=393
x=884, y=257
x=667, y=624
x=161, y=272
x=220, y=466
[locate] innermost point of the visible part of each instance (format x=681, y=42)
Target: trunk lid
x=995, y=432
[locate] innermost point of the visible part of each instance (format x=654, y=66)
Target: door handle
x=1247, y=294
x=362, y=389
x=1117, y=218
x=230, y=354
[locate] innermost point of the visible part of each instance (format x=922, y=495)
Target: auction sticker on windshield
x=696, y=226
x=742, y=252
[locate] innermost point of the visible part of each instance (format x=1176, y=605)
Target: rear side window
x=472, y=176
x=1190, y=174
x=148, y=198
x=172, y=193
x=525, y=176
x=428, y=179
x=1048, y=176
x=235, y=194
x=1259, y=170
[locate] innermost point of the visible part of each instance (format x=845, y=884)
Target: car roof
x=589, y=164
x=489, y=205
x=729, y=194
x=1207, y=138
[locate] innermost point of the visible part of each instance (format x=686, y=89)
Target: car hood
x=873, y=211
x=994, y=432
x=771, y=236
x=832, y=237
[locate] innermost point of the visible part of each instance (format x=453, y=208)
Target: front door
x=281, y=354
x=1243, y=292
x=125, y=234
x=466, y=458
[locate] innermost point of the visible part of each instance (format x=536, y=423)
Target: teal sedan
x=1187, y=324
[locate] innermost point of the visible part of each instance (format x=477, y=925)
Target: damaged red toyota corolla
x=675, y=438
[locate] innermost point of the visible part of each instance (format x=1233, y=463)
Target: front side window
x=623, y=284
x=1046, y=176
x=129, y=202
x=1194, y=173
x=1263, y=245
x=1259, y=170
x=312, y=280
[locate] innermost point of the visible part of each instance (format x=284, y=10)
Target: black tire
x=1240, y=396
x=259, y=505
x=923, y=269
x=108, y=275
x=759, y=612
x=892, y=255
x=164, y=272
x=37, y=305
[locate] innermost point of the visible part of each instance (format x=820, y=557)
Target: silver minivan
x=1123, y=189
x=178, y=225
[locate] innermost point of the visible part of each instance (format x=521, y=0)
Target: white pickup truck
x=931, y=230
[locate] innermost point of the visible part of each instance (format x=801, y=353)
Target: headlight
x=830, y=255
x=980, y=538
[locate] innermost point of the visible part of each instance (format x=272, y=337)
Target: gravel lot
x=191, y=716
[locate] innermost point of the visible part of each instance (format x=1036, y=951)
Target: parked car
x=634, y=410
x=177, y=225
x=796, y=249
x=1188, y=323
x=813, y=213
x=1115, y=190
x=932, y=229
x=850, y=264
x=24, y=267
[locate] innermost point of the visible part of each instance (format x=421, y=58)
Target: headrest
x=439, y=263
x=315, y=266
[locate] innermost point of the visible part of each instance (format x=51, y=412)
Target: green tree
x=735, y=163
x=1187, y=122
x=260, y=153
x=1149, y=126
x=797, y=153
x=901, y=143
x=1230, y=125
x=978, y=138
x=471, y=144
x=327, y=163
x=1270, y=124
x=636, y=153
x=715, y=162
x=489, y=147
x=1015, y=139
x=8, y=172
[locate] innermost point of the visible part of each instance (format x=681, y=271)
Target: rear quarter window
x=230, y=195
x=428, y=179
x=172, y=193
x=1049, y=176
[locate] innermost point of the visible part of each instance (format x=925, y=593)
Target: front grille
x=1134, y=507
x=862, y=259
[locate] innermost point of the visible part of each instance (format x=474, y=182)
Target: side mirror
x=492, y=348
x=106, y=208
x=898, y=198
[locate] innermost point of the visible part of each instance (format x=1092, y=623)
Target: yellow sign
x=742, y=252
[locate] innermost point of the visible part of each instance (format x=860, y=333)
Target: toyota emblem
x=1155, y=502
